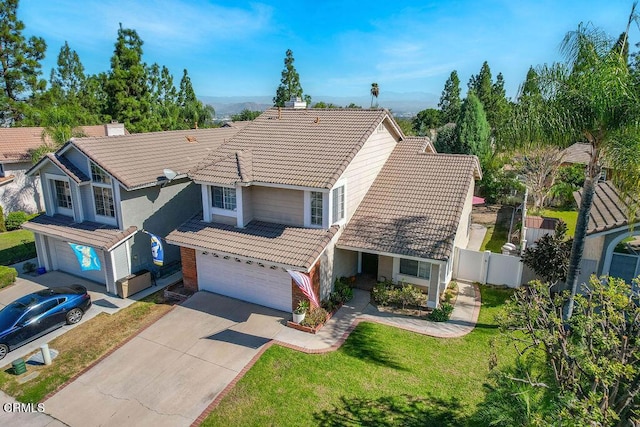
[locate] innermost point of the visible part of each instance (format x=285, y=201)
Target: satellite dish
x=169, y=174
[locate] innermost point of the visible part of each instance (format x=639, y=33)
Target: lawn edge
x=335, y=346
x=104, y=356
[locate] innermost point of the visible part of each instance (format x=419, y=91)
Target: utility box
x=133, y=283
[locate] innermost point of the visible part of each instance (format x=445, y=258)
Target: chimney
x=114, y=129
x=296, y=103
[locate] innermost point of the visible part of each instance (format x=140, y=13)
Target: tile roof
x=302, y=147
x=414, y=206
x=6, y=179
x=538, y=222
x=68, y=168
x=579, y=153
x=17, y=142
x=138, y=160
x=608, y=210
x=276, y=243
x=89, y=233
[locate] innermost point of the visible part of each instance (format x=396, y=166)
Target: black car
x=36, y=314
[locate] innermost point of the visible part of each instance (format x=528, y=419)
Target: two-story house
x=19, y=192
x=105, y=193
x=326, y=192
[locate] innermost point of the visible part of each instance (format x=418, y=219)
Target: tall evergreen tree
x=473, y=129
x=531, y=86
x=193, y=112
x=289, y=82
x=128, y=97
x=68, y=78
x=19, y=65
x=482, y=85
x=450, y=102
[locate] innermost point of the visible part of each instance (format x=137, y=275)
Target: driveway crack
x=143, y=405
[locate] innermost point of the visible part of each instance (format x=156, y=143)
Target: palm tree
x=592, y=97
x=375, y=91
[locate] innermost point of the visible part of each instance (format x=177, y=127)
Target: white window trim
x=51, y=190
x=307, y=209
x=399, y=277
x=219, y=211
x=104, y=218
x=340, y=183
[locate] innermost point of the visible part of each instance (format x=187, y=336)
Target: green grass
x=16, y=246
x=380, y=376
x=569, y=217
x=495, y=238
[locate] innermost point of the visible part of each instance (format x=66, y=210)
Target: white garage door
x=68, y=262
x=248, y=282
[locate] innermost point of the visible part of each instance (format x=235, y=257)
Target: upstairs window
x=415, y=268
x=224, y=198
x=98, y=175
x=103, y=198
x=316, y=208
x=338, y=203
x=63, y=194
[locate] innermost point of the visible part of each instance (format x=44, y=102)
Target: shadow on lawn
x=403, y=410
x=362, y=344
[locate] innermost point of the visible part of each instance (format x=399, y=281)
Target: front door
x=370, y=264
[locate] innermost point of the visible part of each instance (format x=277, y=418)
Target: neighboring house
x=537, y=226
x=580, y=154
x=612, y=247
x=330, y=193
x=19, y=192
x=105, y=192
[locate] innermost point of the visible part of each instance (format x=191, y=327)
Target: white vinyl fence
x=488, y=267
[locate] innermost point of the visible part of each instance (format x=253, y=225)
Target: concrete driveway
x=168, y=374
x=102, y=302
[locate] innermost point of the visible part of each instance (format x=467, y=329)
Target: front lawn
x=380, y=376
x=16, y=246
x=569, y=217
x=83, y=345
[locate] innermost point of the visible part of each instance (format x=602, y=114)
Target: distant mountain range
x=401, y=104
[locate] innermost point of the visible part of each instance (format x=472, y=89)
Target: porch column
x=359, y=262
x=433, y=300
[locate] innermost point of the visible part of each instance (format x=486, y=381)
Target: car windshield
x=11, y=313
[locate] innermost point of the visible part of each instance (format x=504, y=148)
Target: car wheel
x=74, y=316
x=4, y=349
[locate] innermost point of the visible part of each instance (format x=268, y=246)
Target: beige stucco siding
x=593, y=247
x=462, y=235
x=365, y=166
x=222, y=219
x=278, y=205
x=385, y=267
x=247, y=204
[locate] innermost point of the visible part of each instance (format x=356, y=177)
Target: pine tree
x=19, y=65
x=450, y=102
x=473, y=129
x=192, y=111
x=482, y=85
x=289, y=82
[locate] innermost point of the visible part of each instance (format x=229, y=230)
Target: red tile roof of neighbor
x=415, y=204
x=99, y=236
x=297, y=247
x=17, y=142
x=301, y=147
x=539, y=222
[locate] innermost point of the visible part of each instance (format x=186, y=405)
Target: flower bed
x=316, y=318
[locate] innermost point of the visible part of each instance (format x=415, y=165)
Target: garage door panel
x=248, y=282
x=68, y=262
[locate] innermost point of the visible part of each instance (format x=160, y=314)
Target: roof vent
x=191, y=138
x=296, y=103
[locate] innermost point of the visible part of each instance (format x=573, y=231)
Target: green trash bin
x=19, y=366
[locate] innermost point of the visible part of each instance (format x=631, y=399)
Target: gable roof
x=415, y=204
x=138, y=160
x=300, y=147
x=17, y=142
x=608, y=210
x=67, y=167
x=297, y=247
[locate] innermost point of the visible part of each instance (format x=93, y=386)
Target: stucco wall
x=385, y=267
x=462, y=234
x=278, y=205
x=158, y=210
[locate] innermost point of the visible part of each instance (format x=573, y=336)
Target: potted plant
x=300, y=311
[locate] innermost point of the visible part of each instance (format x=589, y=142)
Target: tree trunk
x=588, y=190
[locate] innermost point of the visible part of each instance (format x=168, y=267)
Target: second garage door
x=68, y=262
x=248, y=282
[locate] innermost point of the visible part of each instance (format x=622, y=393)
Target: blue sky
x=236, y=48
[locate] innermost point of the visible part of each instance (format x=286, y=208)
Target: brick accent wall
x=296, y=293
x=189, y=270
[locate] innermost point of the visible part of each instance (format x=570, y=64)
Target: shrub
x=408, y=295
x=15, y=219
x=342, y=290
x=303, y=307
x=3, y=228
x=328, y=304
x=380, y=293
x=28, y=267
x=315, y=317
x=7, y=276
x=441, y=314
